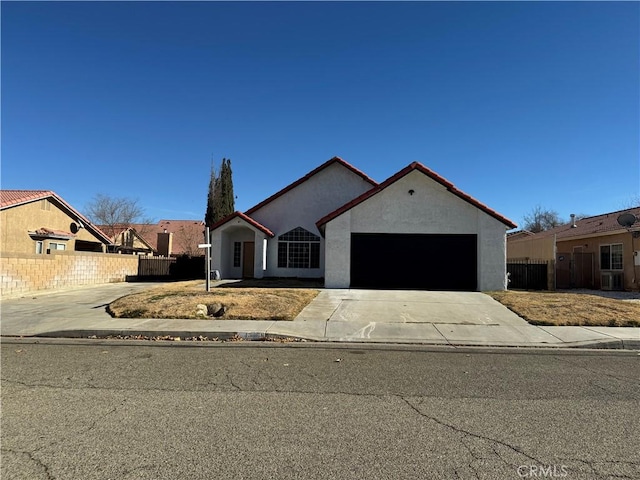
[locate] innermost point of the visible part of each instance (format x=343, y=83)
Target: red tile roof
x=596, y=225
x=47, y=232
x=14, y=198
x=431, y=174
x=247, y=219
x=186, y=234
x=291, y=186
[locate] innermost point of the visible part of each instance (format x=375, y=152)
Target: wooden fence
x=171, y=268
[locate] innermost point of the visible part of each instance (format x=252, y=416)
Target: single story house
x=593, y=252
x=174, y=238
x=415, y=230
x=168, y=238
x=39, y=221
x=126, y=239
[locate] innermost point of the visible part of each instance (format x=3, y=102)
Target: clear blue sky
x=518, y=104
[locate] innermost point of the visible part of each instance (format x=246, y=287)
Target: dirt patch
x=553, y=308
x=180, y=300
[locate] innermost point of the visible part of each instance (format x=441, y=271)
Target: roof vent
x=573, y=220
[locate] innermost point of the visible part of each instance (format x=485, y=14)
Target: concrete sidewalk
x=430, y=318
x=365, y=332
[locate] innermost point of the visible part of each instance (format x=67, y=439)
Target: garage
x=414, y=261
x=415, y=230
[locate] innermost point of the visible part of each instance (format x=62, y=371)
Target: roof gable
x=334, y=160
x=415, y=166
x=15, y=198
x=247, y=219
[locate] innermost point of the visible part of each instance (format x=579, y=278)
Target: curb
x=257, y=336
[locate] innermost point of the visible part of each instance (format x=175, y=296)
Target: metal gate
x=528, y=274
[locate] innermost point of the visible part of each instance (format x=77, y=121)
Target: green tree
x=210, y=214
x=220, y=199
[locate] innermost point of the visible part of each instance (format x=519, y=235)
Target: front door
x=248, y=256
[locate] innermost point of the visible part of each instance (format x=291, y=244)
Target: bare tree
x=632, y=202
x=189, y=239
x=114, y=213
x=541, y=219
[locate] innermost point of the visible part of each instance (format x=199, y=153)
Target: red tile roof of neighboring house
x=596, y=225
x=14, y=198
x=307, y=177
x=247, y=219
x=117, y=230
x=187, y=234
x=47, y=232
x=431, y=174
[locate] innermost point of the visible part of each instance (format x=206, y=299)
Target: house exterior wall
x=431, y=209
x=630, y=271
x=222, y=241
x=303, y=206
x=17, y=221
x=25, y=273
x=533, y=248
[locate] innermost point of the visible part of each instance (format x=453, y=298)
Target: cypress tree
x=210, y=214
x=226, y=188
x=220, y=200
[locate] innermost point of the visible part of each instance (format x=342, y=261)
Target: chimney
x=573, y=220
x=165, y=243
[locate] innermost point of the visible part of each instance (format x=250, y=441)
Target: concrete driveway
x=39, y=312
x=409, y=306
x=408, y=315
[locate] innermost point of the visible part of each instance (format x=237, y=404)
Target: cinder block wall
x=23, y=273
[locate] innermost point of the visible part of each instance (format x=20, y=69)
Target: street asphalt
x=96, y=410
x=397, y=317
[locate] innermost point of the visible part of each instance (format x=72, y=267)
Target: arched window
x=298, y=248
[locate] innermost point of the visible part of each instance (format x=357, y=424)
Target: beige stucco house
x=39, y=221
x=593, y=252
x=415, y=230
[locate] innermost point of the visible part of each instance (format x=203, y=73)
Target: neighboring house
x=593, y=252
x=39, y=221
x=171, y=238
x=414, y=230
x=126, y=239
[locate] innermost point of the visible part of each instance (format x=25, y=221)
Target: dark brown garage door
x=412, y=261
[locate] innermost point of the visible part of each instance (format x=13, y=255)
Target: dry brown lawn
x=179, y=300
x=550, y=308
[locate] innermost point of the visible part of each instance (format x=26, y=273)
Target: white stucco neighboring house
x=415, y=230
